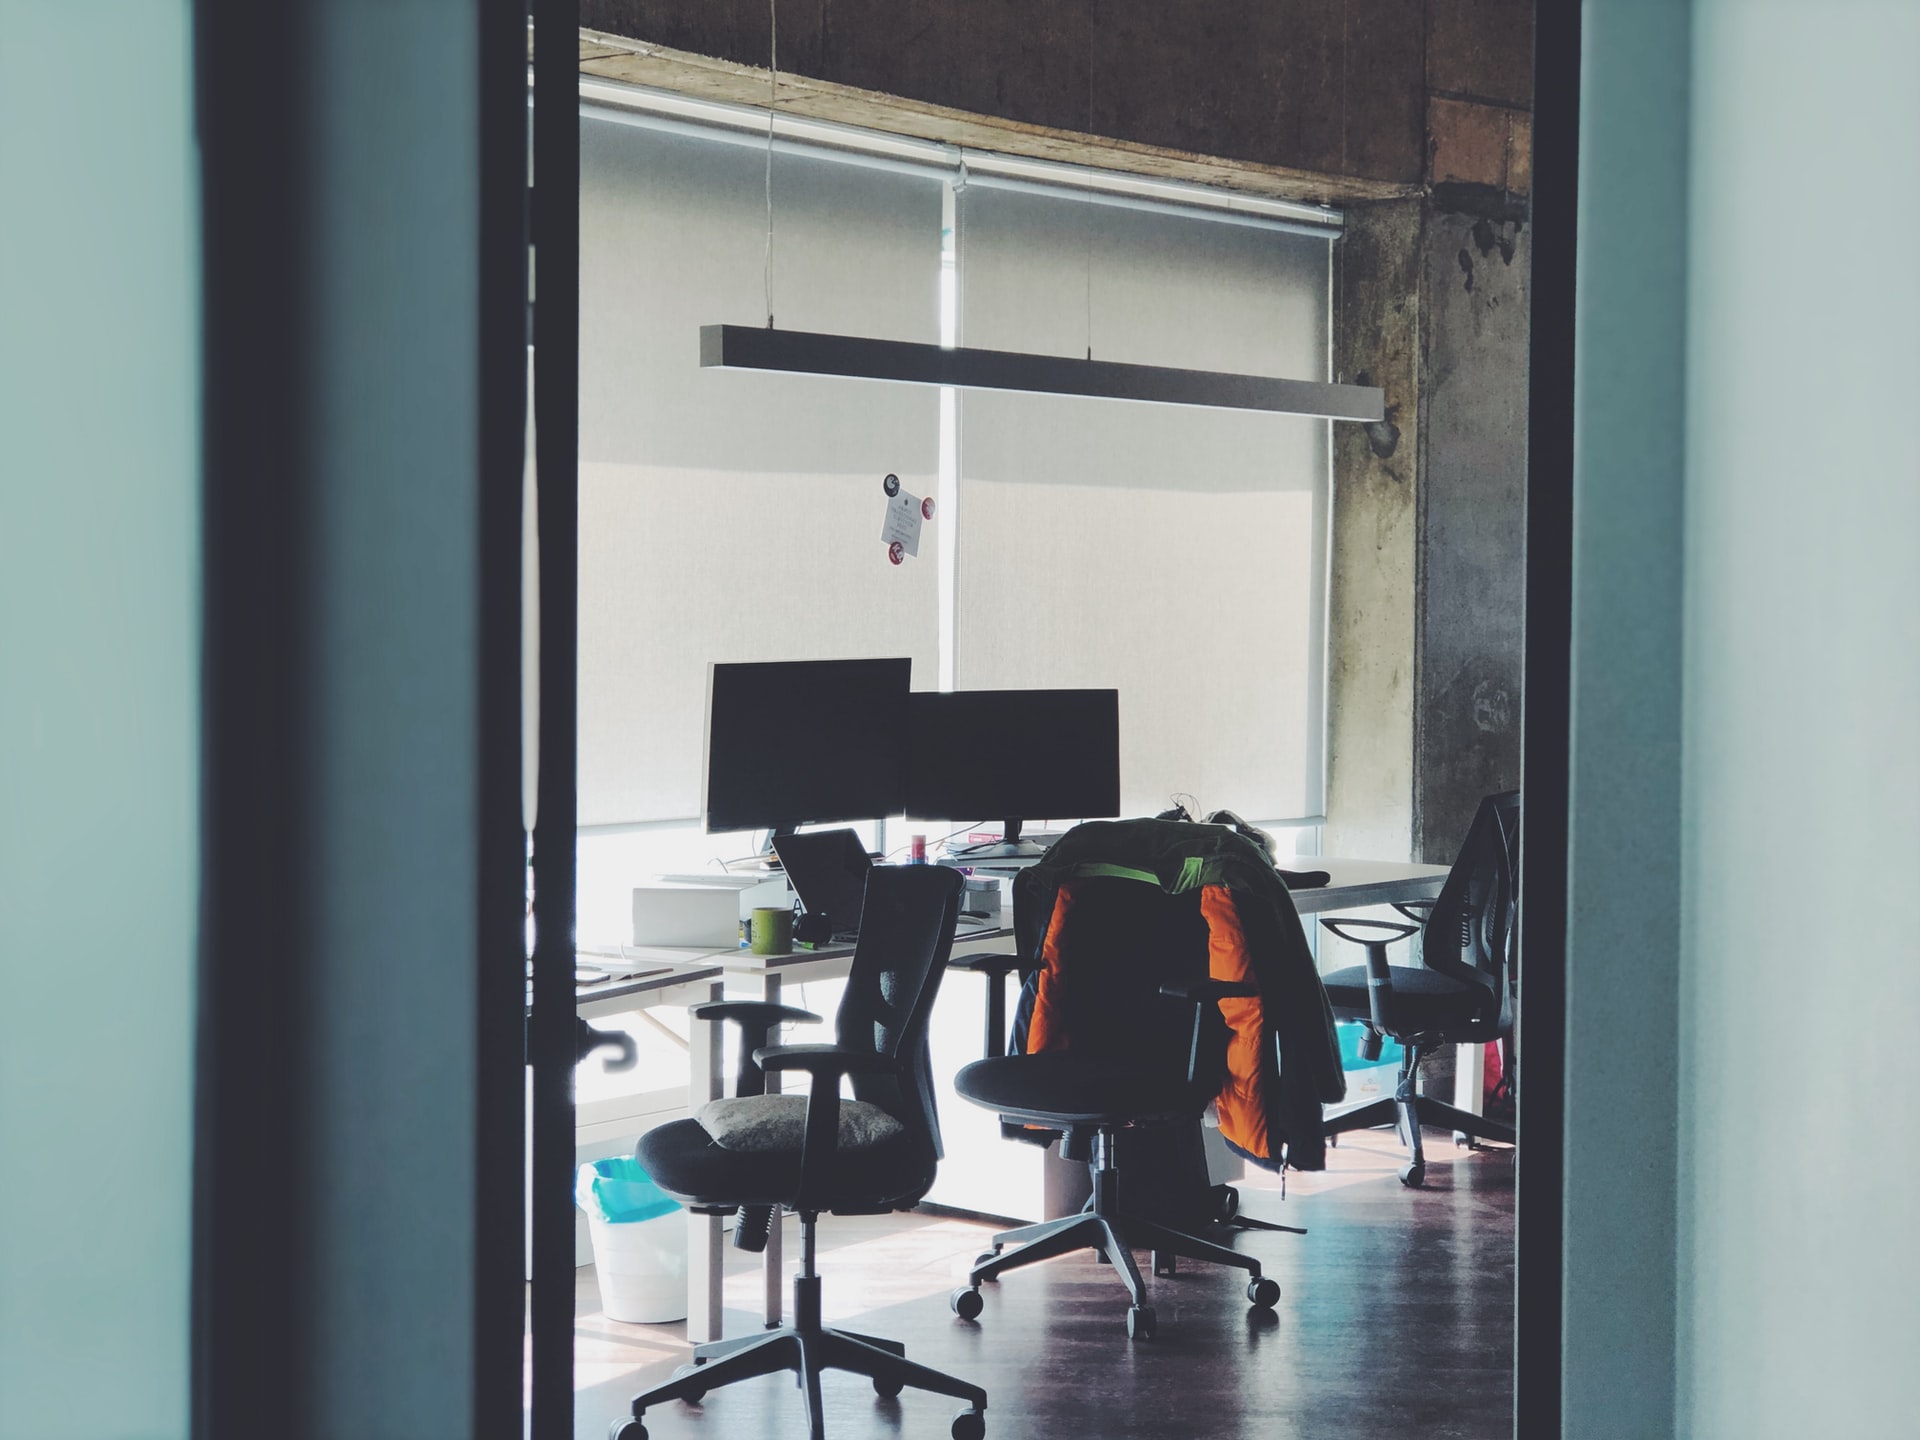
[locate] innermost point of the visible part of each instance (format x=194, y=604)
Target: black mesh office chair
x=818, y=1153
x=1461, y=993
x=1147, y=1055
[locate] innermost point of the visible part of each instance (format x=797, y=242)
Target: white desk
x=1354, y=884
x=977, y=1158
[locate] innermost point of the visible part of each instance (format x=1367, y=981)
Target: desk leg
x=771, y=1260
x=705, y=1259
x=1469, y=1077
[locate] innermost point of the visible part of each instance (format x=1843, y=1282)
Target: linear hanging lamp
x=797, y=352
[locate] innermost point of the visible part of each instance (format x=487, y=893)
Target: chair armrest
x=757, y=1019
x=1380, y=1000
x=1396, y=931
x=1199, y=991
x=826, y=1063
x=751, y=1012
x=995, y=967
x=1200, y=994
x=1418, y=911
x=816, y=1060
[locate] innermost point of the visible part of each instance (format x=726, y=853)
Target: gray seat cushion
x=686, y=1163
x=1069, y=1087
x=761, y=1123
x=1425, y=997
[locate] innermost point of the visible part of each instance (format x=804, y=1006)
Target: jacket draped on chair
x=1283, y=1061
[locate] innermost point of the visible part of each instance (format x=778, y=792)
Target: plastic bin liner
x=620, y=1192
x=1350, y=1034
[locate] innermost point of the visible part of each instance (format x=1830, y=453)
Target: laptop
x=828, y=871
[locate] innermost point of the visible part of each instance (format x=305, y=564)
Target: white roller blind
x=723, y=515
x=1175, y=554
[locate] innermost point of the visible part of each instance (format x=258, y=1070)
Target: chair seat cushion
x=1430, y=999
x=1065, y=1088
x=759, y=1123
x=687, y=1163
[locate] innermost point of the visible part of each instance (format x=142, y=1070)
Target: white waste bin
x=639, y=1242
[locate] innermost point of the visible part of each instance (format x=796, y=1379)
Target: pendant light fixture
x=798, y=352
x=795, y=352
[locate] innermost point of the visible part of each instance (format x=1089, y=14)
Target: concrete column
x=1370, y=628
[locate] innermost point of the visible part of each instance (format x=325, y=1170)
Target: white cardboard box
x=707, y=917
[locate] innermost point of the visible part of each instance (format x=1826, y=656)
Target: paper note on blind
x=902, y=523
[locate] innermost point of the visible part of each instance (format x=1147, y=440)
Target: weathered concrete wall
x=1370, y=620
x=1298, y=83
x=1470, y=605
x=1429, y=544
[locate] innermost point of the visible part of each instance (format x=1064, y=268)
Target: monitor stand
x=1009, y=847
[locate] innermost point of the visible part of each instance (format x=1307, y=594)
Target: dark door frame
x=281, y=1298
x=1545, y=723
x=501, y=1215
x=555, y=236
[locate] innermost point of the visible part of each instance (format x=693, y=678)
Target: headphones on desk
x=812, y=927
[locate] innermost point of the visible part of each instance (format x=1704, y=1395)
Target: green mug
x=770, y=932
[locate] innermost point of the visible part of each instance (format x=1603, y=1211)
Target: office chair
x=1127, y=978
x=1462, y=992
x=818, y=1153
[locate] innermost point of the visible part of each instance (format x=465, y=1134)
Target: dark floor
x=1396, y=1320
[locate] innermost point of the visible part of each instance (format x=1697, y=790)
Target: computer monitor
x=1015, y=755
x=791, y=742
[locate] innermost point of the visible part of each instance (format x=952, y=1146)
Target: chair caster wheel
x=887, y=1389
x=966, y=1302
x=626, y=1430
x=1413, y=1176
x=1226, y=1203
x=1164, y=1262
x=1262, y=1293
x=692, y=1397
x=1333, y=1142
x=969, y=1424
x=1140, y=1324
x=984, y=1257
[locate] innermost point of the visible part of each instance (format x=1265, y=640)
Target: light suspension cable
x=773, y=107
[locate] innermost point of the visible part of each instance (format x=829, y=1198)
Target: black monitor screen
x=794, y=741
x=1014, y=754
